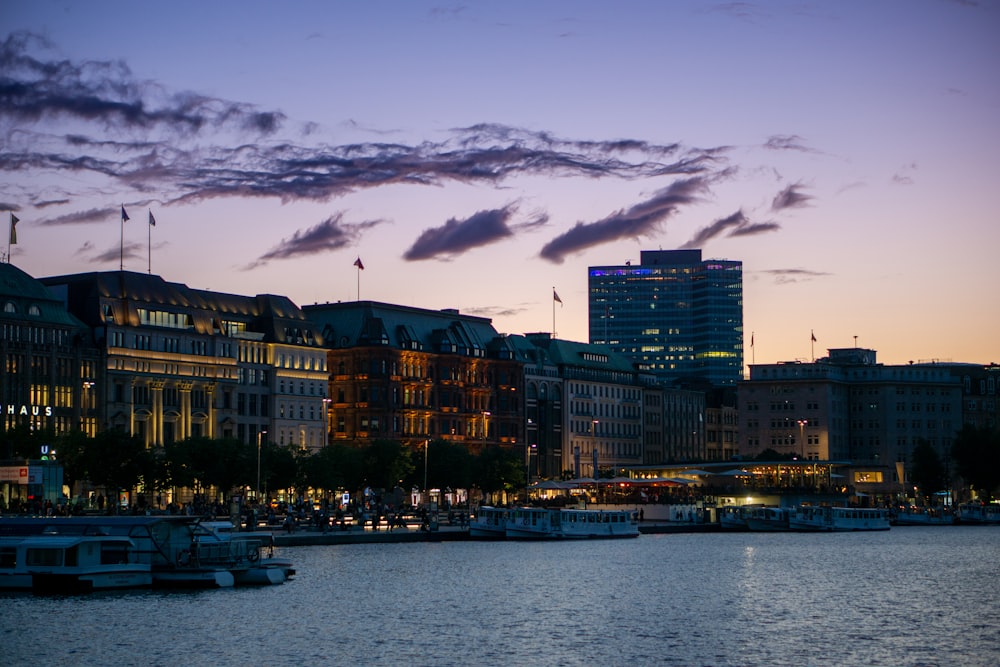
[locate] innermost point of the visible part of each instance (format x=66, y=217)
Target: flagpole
x=149, y=244
x=359, y=283
x=10, y=233
x=121, y=246
x=553, y=312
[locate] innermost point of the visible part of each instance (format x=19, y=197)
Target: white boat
x=71, y=564
x=249, y=556
x=539, y=523
x=180, y=553
x=979, y=513
x=921, y=516
x=766, y=518
x=489, y=522
x=838, y=519
x=734, y=517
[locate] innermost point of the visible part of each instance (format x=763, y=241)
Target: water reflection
x=914, y=596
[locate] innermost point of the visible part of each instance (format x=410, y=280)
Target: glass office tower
x=676, y=314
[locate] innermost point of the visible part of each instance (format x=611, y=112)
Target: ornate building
x=415, y=375
x=176, y=362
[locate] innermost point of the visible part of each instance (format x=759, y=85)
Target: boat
x=766, y=518
x=734, y=517
x=249, y=556
x=540, y=523
x=71, y=564
x=838, y=519
x=921, y=516
x=489, y=522
x=979, y=513
x=179, y=552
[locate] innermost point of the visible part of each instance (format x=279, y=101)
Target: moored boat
x=921, y=516
x=71, y=564
x=979, y=513
x=489, y=522
x=838, y=519
x=734, y=517
x=539, y=523
x=766, y=518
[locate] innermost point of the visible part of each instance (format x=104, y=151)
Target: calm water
x=909, y=596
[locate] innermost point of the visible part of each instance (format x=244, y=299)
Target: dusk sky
x=476, y=156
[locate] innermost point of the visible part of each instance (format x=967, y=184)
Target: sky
x=479, y=156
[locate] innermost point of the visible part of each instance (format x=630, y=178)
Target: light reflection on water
x=909, y=596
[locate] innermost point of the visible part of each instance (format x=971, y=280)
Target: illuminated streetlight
x=326, y=419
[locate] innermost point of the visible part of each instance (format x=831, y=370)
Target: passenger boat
x=539, y=523
x=838, y=519
x=921, y=516
x=249, y=556
x=71, y=564
x=489, y=522
x=766, y=518
x=979, y=513
x=734, y=517
x=179, y=552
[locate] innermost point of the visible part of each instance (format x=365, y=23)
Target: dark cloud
x=116, y=254
x=736, y=225
x=638, y=221
x=783, y=276
x=107, y=92
x=754, y=228
x=457, y=236
x=787, y=142
x=331, y=234
x=790, y=197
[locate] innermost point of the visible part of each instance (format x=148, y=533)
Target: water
x=906, y=597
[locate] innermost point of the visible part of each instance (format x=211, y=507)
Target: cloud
x=128, y=251
x=752, y=229
x=106, y=92
x=640, y=220
x=785, y=276
x=787, y=142
x=329, y=235
x=790, y=197
x=457, y=236
x=902, y=177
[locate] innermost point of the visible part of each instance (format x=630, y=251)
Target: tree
x=976, y=453
x=927, y=470
x=499, y=469
x=449, y=465
x=116, y=460
x=385, y=463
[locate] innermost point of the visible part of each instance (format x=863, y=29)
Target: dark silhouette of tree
x=927, y=470
x=976, y=453
x=449, y=465
x=499, y=469
x=385, y=463
x=116, y=461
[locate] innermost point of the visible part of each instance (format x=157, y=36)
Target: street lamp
x=486, y=426
x=802, y=439
x=427, y=446
x=259, y=435
x=326, y=419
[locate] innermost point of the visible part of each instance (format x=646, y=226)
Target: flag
x=358, y=264
x=152, y=220
x=813, y=336
x=555, y=296
x=13, y=228
x=751, y=340
x=125, y=217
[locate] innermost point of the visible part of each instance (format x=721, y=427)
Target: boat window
x=46, y=557
x=8, y=557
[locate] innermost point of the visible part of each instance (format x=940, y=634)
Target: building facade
x=176, y=362
x=49, y=362
x=674, y=313
x=415, y=375
x=847, y=407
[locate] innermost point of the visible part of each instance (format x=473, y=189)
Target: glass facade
x=677, y=315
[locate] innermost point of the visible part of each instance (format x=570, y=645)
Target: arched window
x=34, y=310
x=9, y=307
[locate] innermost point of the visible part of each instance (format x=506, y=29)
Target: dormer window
x=34, y=310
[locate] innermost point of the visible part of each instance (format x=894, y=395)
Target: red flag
x=358, y=264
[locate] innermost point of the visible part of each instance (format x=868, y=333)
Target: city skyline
x=480, y=157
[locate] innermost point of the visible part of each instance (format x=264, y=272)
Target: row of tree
x=114, y=460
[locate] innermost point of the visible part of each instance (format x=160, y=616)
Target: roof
x=31, y=300
x=366, y=323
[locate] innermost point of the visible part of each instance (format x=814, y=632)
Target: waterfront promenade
x=308, y=536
